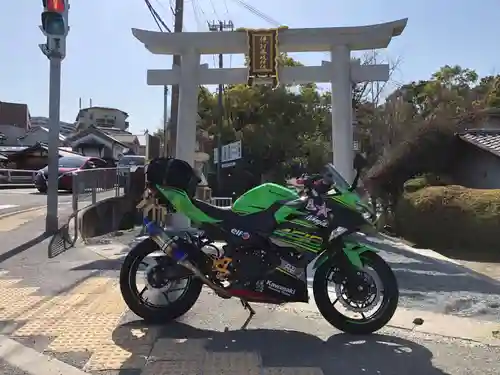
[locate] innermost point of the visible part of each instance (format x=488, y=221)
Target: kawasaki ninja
x=271, y=235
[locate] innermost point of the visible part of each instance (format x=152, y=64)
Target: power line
x=157, y=17
x=159, y=23
x=258, y=13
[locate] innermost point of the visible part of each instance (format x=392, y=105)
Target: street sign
x=230, y=152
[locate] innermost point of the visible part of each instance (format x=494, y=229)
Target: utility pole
x=55, y=27
x=220, y=26
x=174, y=102
x=165, y=120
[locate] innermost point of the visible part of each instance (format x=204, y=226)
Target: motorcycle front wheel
x=149, y=292
x=377, y=293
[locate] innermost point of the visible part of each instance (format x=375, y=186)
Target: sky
x=107, y=64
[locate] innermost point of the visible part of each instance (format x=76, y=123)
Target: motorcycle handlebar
x=315, y=182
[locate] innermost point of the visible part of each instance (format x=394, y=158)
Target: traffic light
x=55, y=27
x=55, y=18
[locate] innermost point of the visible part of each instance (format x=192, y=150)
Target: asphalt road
x=13, y=200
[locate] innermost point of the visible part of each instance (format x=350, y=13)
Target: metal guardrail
x=17, y=176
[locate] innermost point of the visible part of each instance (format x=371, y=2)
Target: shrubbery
x=450, y=217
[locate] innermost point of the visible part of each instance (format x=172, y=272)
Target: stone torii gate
x=263, y=47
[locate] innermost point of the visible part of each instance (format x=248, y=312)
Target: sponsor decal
x=317, y=221
x=320, y=210
x=298, y=235
x=280, y=288
x=291, y=269
x=239, y=233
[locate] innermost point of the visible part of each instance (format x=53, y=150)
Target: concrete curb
x=16, y=186
x=33, y=362
x=9, y=214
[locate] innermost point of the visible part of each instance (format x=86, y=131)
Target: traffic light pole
x=55, y=27
x=51, y=222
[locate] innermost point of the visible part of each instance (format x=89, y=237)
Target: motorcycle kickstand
x=251, y=311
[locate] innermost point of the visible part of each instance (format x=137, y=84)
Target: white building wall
x=102, y=117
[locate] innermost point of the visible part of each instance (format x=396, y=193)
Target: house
x=65, y=128
x=94, y=141
x=38, y=134
x=142, y=144
x=477, y=164
x=103, y=117
x=34, y=157
x=122, y=136
x=10, y=134
x=15, y=114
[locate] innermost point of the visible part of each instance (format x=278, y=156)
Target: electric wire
x=157, y=18
x=258, y=13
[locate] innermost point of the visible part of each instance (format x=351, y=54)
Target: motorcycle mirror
x=296, y=169
x=359, y=162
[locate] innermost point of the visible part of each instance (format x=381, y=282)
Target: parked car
x=67, y=164
x=127, y=164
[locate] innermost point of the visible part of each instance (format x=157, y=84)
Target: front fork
x=346, y=254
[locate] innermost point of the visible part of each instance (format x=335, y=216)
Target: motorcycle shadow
x=291, y=352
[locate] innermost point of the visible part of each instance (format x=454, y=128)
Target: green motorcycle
x=271, y=234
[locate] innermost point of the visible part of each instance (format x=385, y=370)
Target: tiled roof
x=124, y=138
x=486, y=139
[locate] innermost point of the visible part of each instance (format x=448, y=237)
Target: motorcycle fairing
x=353, y=251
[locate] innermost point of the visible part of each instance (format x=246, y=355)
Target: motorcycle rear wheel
x=389, y=300
x=131, y=294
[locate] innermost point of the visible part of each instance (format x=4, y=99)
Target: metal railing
x=92, y=185
x=88, y=187
x=17, y=176
x=88, y=184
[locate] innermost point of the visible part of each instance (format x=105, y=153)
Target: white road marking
x=6, y=206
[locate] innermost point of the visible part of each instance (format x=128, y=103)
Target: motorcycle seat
x=261, y=221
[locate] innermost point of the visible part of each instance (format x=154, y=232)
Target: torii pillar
x=341, y=72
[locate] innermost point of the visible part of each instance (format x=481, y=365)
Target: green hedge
x=450, y=217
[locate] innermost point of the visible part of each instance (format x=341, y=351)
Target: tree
x=424, y=117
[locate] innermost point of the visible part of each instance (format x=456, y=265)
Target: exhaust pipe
x=167, y=246
x=216, y=288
